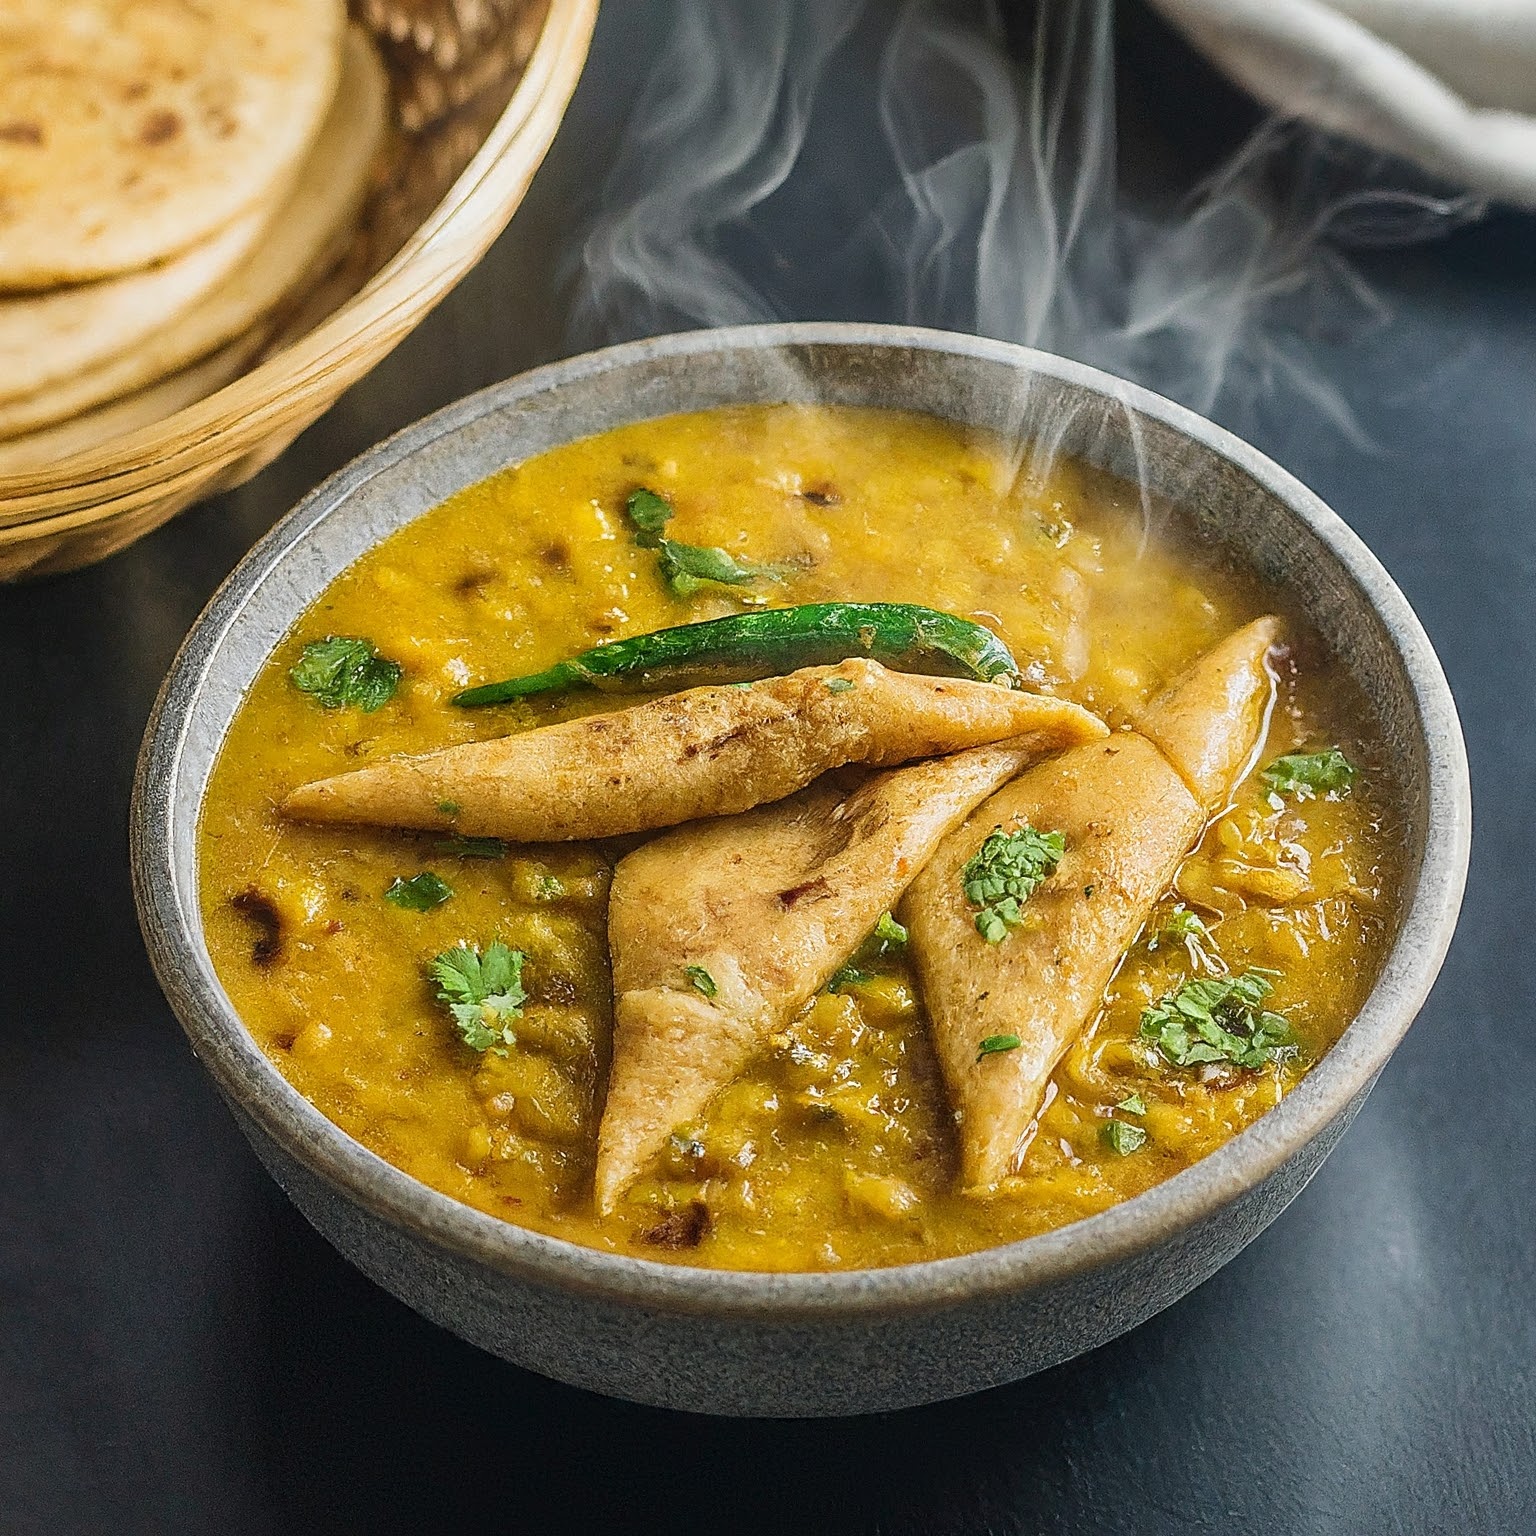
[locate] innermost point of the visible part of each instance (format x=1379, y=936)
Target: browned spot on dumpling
x=809, y=890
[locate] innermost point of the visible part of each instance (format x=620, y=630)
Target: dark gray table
x=179, y=1352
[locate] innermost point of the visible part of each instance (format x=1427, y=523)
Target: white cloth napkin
x=1449, y=84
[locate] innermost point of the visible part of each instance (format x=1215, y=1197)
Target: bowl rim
x=172, y=923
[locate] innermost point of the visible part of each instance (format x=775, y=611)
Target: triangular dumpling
x=721, y=931
x=1131, y=807
x=703, y=752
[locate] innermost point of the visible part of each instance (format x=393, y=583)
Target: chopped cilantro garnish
x=846, y=976
x=686, y=567
x=484, y=992
x=420, y=893
x=1304, y=774
x=473, y=847
x=839, y=684
x=549, y=888
x=649, y=513
x=1219, y=1018
x=1121, y=1138
x=448, y=807
x=1181, y=926
x=1184, y=924
x=888, y=935
x=1133, y=1104
x=701, y=981
x=1005, y=872
x=995, y=1043
x=339, y=671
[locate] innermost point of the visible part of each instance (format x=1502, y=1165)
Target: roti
x=298, y=236
x=132, y=129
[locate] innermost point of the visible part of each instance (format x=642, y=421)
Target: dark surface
x=179, y=1352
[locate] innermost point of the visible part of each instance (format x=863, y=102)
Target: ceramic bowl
x=803, y=1344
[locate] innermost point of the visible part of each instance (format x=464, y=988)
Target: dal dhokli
x=798, y=964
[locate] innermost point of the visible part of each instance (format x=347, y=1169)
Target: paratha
x=131, y=129
x=302, y=232
x=46, y=337
x=50, y=445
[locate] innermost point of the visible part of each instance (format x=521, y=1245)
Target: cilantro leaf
x=686, y=567
x=701, y=981
x=475, y=1032
x=1005, y=872
x=1184, y=924
x=846, y=976
x=650, y=514
x=993, y=1044
x=549, y=888
x=1133, y=1104
x=1121, y=1138
x=839, y=685
x=888, y=936
x=1182, y=927
x=473, y=847
x=420, y=893
x=1219, y=1018
x=1304, y=774
x=483, y=992
x=340, y=671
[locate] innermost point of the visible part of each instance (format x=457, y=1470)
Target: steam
x=714, y=133
x=976, y=191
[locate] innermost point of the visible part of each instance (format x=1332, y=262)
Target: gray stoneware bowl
x=802, y=1344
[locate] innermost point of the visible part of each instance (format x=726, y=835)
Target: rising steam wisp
x=941, y=181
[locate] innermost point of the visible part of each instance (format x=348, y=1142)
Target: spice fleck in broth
x=836, y=1145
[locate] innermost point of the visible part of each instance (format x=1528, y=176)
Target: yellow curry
x=844, y=1135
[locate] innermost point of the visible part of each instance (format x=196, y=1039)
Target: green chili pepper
x=768, y=643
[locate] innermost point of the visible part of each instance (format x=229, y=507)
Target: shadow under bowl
x=828, y=1343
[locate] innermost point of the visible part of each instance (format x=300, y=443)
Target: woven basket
x=446, y=189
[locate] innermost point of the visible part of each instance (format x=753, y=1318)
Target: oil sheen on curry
x=788, y=838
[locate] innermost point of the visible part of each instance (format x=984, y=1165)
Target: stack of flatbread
x=171, y=176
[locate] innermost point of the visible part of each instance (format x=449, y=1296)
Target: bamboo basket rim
x=144, y=467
